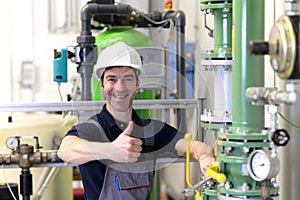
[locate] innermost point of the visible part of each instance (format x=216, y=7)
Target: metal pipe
x=96, y=105
x=180, y=65
x=91, y=9
x=179, y=20
x=26, y=184
x=86, y=51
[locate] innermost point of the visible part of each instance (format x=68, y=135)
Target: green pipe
x=222, y=28
x=247, y=71
x=222, y=13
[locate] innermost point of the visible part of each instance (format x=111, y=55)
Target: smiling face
x=119, y=85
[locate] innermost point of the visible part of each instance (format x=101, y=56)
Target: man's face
x=119, y=87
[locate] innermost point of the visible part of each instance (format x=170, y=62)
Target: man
x=116, y=149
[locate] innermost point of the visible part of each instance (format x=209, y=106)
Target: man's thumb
x=128, y=129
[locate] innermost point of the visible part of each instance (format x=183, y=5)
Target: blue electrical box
x=60, y=66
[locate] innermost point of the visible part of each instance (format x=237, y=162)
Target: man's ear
x=138, y=83
x=101, y=85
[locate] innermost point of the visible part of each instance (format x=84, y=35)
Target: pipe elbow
x=179, y=18
x=87, y=10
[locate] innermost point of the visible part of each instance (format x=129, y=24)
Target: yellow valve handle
x=212, y=171
x=188, y=138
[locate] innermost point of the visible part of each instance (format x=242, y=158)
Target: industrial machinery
x=108, y=14
x=246, y=150
x=25, y=156
x=282, y=49
x=120, y=15
x=219, y=62
x=21, y=129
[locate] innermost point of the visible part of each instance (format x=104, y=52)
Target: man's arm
x=198, y=150
x=79, y=151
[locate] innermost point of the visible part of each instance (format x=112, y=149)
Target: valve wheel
x=280, y=137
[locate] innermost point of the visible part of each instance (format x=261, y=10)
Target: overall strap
x=92, y=131
x=101, y=132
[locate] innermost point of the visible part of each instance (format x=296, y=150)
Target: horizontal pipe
x=95, y=105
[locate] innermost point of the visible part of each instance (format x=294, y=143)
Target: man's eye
x=110, y=79
x=129, y=79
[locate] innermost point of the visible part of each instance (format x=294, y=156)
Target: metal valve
x=280, y=137
x=26, y=155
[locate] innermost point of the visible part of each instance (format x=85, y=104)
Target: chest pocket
x=131, y=181
x=120, y=185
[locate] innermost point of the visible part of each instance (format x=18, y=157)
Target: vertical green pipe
x=222, y=12
x=222, y=29
x=247, y=71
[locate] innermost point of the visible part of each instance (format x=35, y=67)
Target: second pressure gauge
x=262, y=165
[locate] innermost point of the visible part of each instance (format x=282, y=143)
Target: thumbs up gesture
x=126, y=148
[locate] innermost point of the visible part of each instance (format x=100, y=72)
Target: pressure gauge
x=262, y=165
x=12, y=143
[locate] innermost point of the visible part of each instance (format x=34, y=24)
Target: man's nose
x=120, y=85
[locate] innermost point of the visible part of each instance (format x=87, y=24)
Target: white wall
x=5, y=84
x=26, y=37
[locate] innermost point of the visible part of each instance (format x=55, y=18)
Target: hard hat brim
x=99, y=72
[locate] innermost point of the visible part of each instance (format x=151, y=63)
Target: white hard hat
x=119, y=54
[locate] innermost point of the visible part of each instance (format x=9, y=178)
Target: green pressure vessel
x=133, y=38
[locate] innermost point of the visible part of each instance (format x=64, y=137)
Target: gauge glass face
x=12, y=142
x=260, y=165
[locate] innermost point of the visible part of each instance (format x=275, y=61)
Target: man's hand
x=198, y=150
x=205, y=159
x=125, y=148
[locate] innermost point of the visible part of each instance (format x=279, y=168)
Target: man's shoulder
x=91, y=130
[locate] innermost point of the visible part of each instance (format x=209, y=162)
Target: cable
x=161, y=24
x=146, y=17
x=59, y=91
x=5, y=178
x=7, y=184
x=64, y=113
x=289, y=122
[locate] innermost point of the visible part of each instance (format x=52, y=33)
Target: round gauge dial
x=12, y=143
x=261, y=165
